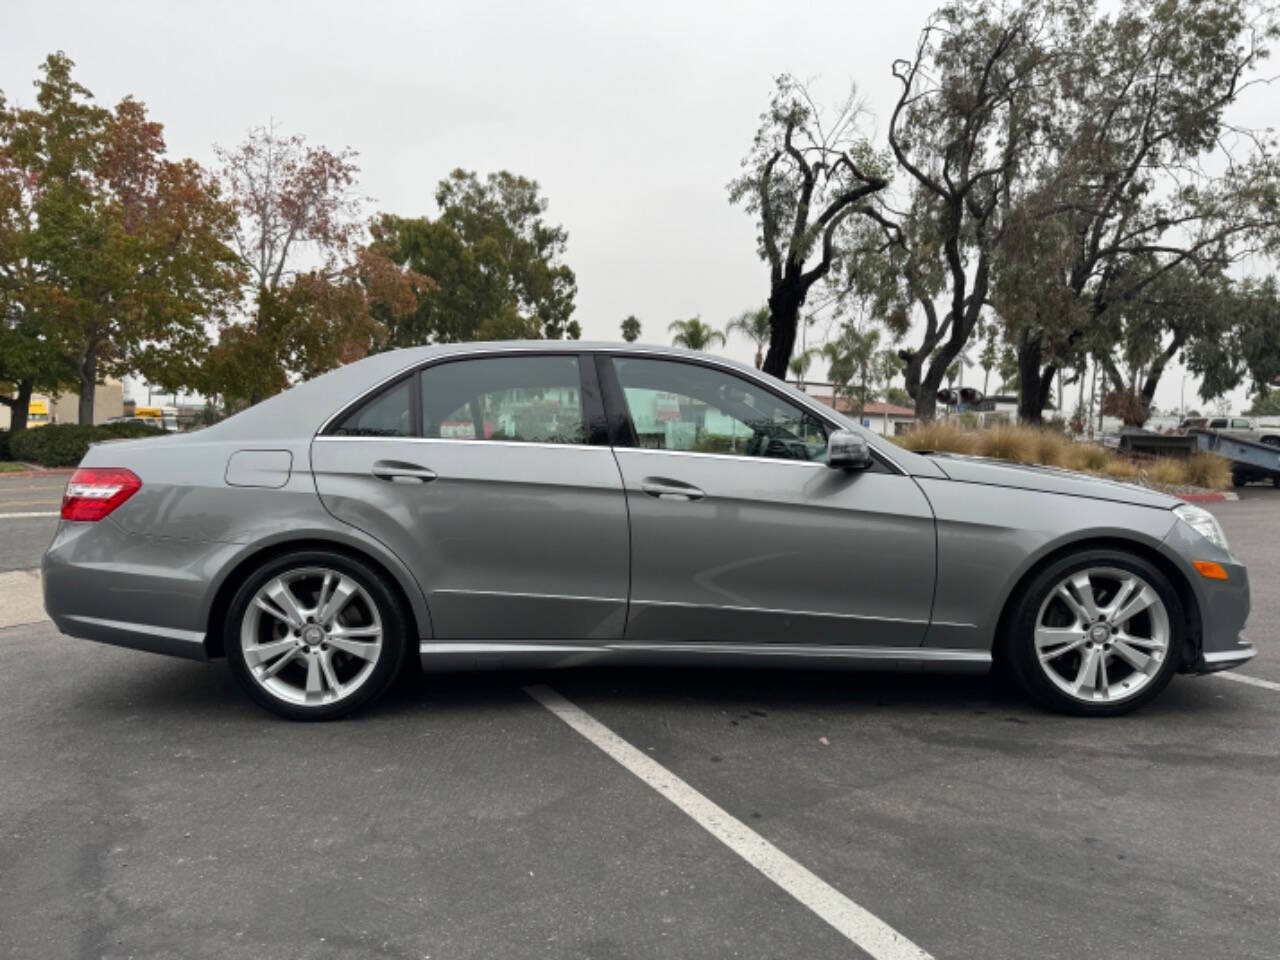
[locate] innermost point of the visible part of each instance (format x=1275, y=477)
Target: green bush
x=4, y=445
x=65, y=444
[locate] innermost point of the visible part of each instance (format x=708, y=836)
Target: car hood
x=1004, y=473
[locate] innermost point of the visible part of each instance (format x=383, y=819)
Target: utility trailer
x=1249, y=460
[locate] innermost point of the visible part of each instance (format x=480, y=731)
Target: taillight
x=93, y=492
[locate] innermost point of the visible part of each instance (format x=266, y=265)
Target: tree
x=120, y=256
x=631, y=329
x=858, y=366
x=298, y=231
x=1265, y=404
x=803, y=179
x=495, y=261
x=1243, y=342
x=754, y=325
x=970, y=103
x=1124, y=189
x=693, y=334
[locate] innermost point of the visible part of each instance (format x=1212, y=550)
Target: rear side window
x=1240, y=424
x=389, y=414
x=516, y=399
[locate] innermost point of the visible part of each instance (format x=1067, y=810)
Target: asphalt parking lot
x=147, y=809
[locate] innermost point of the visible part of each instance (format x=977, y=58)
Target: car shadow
x=208, y=691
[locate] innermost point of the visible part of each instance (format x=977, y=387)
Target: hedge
x=65, y=444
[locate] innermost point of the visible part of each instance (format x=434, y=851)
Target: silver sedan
x=555, y=504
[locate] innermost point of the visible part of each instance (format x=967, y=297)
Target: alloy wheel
x=311, y=636
x=1102, y=634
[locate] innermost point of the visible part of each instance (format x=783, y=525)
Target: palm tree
x=801, y=362
x=693, y=334
x=631, y=329
x=754, y=325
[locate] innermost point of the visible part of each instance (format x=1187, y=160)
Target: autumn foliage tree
x=114, y=256
x=316, y=295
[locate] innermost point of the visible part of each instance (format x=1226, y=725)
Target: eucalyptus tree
x=972, y=102
x=804, y=178
x=1142, y=173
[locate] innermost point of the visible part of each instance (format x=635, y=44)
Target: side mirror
x=847, y=450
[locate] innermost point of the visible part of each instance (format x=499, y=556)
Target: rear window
x=534, y=399
x=389, y=414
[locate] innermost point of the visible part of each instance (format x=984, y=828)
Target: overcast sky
x=632, y=116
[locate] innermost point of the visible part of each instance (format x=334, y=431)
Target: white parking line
x=1252, y=681
x=23, y=516
x=865, y=930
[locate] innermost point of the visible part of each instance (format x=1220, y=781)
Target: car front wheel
x=1097, y=633
x=314, y=635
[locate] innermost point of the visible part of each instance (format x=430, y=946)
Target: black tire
x=389, y=659
x=1238, y=479
x=1018, y=642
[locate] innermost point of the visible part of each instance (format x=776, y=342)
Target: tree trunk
x=88, y=370
x=1033, y=386
x=784, y=320
x=19, y=406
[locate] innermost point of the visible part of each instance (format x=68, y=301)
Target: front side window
x=389, y=414
x=521, y=399
x=687, y=407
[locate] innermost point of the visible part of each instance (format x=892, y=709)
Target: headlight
x=1204, y=523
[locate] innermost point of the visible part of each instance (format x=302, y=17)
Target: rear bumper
x=103, y=583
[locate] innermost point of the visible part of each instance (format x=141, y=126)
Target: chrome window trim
x=821, y=411
x=722, y=456
x=330, y=438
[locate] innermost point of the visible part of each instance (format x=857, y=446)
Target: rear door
x=741, y=533
x=492, y=478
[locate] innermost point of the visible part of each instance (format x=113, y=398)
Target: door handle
x=664, y=489
x=394, y=471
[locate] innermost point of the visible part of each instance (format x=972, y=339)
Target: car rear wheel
x=315, y=635
x=1097, y=633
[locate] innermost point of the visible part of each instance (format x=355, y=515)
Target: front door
x=740, y=532
x=481, y=475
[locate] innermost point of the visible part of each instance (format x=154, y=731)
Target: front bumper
x=1214, y=660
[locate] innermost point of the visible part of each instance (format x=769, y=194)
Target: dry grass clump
x=1007, y=443
x=1091, y=457
x=1023, y=444
x=1118, y=469
x=937, y=435
x=1167, y=470
x=1207, y=470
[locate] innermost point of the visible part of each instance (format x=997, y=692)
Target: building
x=886, y=419
x=108, y=401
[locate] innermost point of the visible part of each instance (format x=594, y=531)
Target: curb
x=48, y=472
x=1207, y=497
